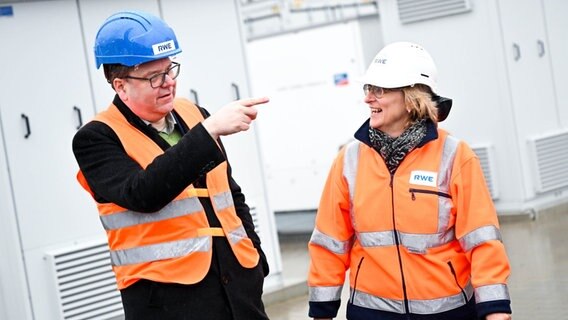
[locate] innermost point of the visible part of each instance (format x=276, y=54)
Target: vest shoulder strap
x=188, y=111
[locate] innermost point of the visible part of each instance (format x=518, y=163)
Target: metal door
x=45, y=98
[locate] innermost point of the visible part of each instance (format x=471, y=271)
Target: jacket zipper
x=355, y=281
x=397, y=242
x=456, y=279
x=414, y=191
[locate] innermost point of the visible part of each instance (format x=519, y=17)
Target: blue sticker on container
x=6, y=11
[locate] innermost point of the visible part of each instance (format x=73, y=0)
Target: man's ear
x=120, y=88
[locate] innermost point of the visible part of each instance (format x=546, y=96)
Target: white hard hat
x=402, y=64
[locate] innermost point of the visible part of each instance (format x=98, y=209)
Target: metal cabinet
x=45, y=96
x=501, y=61
x=527, y=46
x=554, y=13
x=527, y=56
x=55, y=257
x=14, y=300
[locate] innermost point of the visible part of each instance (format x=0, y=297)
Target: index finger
x=253, y=101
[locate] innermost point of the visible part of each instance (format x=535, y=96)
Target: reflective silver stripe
x=329, y=243
x=237, y=235
x=444, y=176
x=376, y=239
x=366, y=300
x=444, y=213
x=350, y=163
x=425, y=307
x=447, y=162
x=491, y=293
x=323, y=294
x=479, y=236
x=417, y=243
x=441, y=304
x=129, y=218
x=223, y=200
x=160, y=251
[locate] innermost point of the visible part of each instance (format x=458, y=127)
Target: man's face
x=150, y=104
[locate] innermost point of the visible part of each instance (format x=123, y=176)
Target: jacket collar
x=139, y=124
x=362, y=134
x=128, y=114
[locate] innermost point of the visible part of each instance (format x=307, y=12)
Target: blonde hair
x=418, y=102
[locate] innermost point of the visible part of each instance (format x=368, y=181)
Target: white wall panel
x=214, y=65
x=310, y=116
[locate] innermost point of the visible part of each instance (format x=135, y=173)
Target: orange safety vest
x=173, y=244
x=408, y=239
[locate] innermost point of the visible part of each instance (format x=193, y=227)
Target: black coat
x=114, y=177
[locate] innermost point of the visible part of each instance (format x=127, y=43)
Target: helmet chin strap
x=444, y=105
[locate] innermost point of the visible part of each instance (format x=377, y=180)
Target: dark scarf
x=393, y=150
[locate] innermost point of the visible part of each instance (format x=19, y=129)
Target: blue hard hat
x=134, y=37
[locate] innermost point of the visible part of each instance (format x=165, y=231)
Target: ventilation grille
x=549, y=154
x=84, y=282
x=419, y=10
x=486, y=158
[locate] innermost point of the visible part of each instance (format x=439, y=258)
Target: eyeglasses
x=158, y=79
x=378, y=92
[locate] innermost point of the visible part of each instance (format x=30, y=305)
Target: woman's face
x=388, y=110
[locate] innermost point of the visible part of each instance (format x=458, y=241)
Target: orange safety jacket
x=173, y=244
x=422, y=241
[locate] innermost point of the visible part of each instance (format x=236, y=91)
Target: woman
x=407, y=211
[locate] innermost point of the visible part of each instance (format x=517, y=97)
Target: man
x=181, y=238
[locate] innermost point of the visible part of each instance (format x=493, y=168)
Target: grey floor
x=537, y=249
